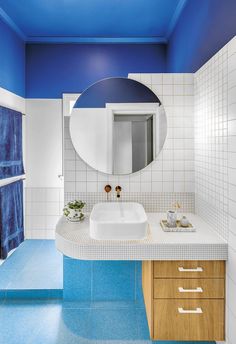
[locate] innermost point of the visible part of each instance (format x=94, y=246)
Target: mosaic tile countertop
x=73, y=240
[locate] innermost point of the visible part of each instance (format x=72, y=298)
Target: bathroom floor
x=34, y=267
x=57, y=322
x=32, y=310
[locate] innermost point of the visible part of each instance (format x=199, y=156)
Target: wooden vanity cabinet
x=185, y=300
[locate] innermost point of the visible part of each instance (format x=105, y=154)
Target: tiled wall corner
x=173, y=170
x=43, y=208
x=215, y=159
x=231, y=264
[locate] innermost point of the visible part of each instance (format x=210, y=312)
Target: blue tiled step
x=31, y=294
x=35, y=264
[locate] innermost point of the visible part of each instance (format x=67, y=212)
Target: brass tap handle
x=118, y=191
x=107, y=188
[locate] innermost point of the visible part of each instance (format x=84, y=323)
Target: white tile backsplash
x=152, y=201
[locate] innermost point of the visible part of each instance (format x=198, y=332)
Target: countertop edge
x=152, y=252
x=73, y=241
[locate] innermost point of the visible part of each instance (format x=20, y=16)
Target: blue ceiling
x=93, y=21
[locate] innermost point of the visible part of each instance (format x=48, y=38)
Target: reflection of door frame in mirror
x=68, y=101
x=130, y=109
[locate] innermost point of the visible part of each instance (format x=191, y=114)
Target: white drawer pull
x=198, y=310
x=196, y=290
x=182, y=269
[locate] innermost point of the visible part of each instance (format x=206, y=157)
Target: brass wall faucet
x=107, y=189
x=118, y=191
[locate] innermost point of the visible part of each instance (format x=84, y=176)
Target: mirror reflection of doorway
x=133, y=142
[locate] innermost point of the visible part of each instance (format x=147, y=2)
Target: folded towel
x=11, y=161
x=11, y=217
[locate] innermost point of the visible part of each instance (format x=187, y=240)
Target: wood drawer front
x=189, y=269
x=173, y=320
x=189, y=288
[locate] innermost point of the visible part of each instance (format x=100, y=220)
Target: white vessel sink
x=118, y=221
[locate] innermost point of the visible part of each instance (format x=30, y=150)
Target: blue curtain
x=11, y=217
x=11, y=161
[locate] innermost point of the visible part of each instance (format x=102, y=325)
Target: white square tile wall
x=215, y=159
x=211, y=139
x=173, y=170
x=43, y=208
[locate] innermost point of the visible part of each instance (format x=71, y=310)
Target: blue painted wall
x=204, y=27
x=52, y=69
x=12, y=61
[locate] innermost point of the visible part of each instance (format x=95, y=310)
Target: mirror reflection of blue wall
x=115, y=90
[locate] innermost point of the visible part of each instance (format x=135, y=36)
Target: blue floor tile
x=64, y=326
x=23, y=254
x=119, y=324
x=142, y=325
x=6, y=277
x=41, y=278
x=19, y=321
x=35, y=264
x=58, y=322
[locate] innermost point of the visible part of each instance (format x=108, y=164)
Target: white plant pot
x=74, y=215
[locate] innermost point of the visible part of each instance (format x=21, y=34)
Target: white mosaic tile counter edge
x=73, y=240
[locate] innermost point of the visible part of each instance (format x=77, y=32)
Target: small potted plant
x=73, y=211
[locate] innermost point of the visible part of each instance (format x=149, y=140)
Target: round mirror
x=118, y=126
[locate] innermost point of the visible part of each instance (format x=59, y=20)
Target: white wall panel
x=44, y=142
